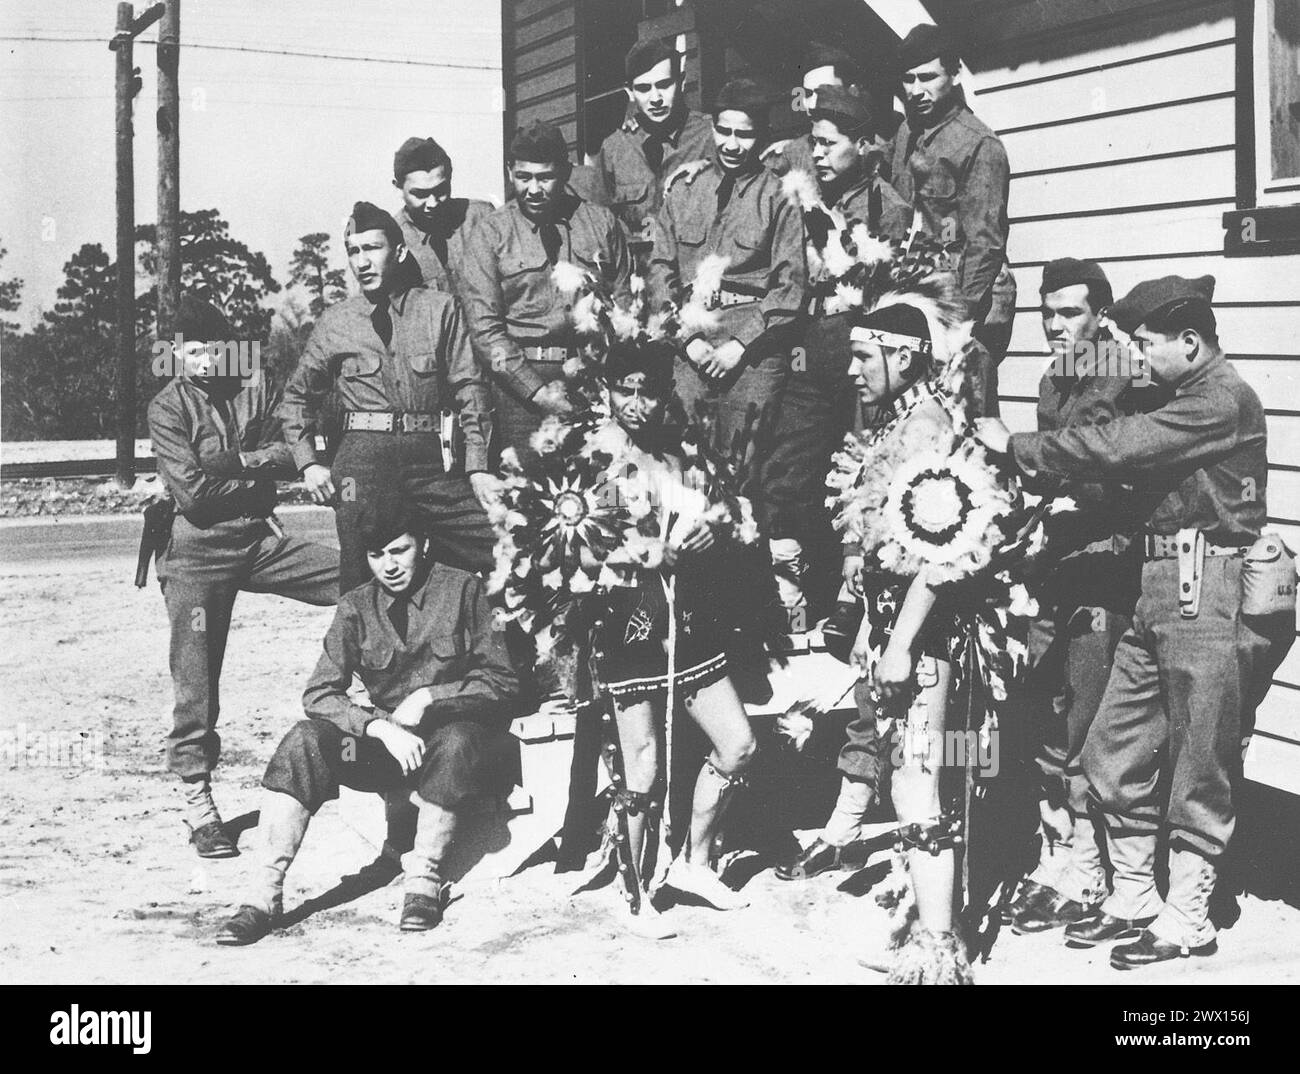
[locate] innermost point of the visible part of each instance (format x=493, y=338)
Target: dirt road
x=97, y=883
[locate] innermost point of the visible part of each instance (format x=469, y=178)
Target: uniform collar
x=670, y=133
x=416, y=596
x=951, y=108
x=568, y=205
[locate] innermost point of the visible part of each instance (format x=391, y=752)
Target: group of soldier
x=1143, y=669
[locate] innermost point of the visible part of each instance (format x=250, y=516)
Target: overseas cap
x=201, y=321
x=541, y=143
x=419, y=155
x=368, y=217
x=922, y=44
x=743, y=95
x=1151, y=296
x=851, y=113
x=647, y=54
x=822, y=55
x=1066, y=271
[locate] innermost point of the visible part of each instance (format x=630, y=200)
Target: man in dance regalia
x=935, y=523
x=610, y=537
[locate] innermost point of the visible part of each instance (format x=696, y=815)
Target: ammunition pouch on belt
x=1268, y=578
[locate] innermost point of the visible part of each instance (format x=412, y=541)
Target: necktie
x=725, y=190
x=550, y=241
x=399, y=616
x=654, y=153
x=439, y=243
x=383, y=322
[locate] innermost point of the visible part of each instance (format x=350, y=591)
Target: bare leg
x=915, y=791
x=721, y=716
x=640, y=749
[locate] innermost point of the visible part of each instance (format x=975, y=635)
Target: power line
x=265, y=52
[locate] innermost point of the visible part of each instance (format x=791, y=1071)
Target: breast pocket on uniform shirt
x=519, y=283
x=749, y=249
x=423, y=363
x=691, y=233
x=377, y=654
x=447, y=650
x=937, y=193
x=354, y=365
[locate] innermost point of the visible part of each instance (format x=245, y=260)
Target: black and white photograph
x=689, y=492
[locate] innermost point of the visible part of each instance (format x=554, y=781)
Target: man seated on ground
x=423, y=640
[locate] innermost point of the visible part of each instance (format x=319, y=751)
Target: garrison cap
x=419, y=155
x=923, y=43
x=1066, y=271
x=823, y=55
x=368, y=217
x=852, y=113
x=743, y=95
x=540, y=143
x=201, y=321
x=1152, y=296
x=647, y=54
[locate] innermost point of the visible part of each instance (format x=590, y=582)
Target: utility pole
x=128, y=85
x=169, y=168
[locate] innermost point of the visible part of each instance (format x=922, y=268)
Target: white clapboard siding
x=1091, y=91
x=1178, y=230
x=1121, y=150
x=1204, y=177
x=1195, y=124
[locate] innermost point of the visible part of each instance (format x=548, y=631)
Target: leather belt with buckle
x=388, y=421
x=725, y=297
x=1165, y=546
x=549, y=354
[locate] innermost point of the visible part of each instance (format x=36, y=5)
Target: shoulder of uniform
x=968, y=119
x=343, y=310
x=428, y=296
x=605, y=217
x=165, y=397
x=448, y=576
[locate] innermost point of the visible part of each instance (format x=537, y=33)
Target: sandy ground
x=97, y=883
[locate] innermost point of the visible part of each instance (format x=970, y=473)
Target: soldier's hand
x=698, y=352
x=724, y=359
x=853, y=574
x=993, y=434
x=319, y=482
x=776, y=149
x=486, y=487
x=687, y=171
x=411, y=711
x=406, y=749
x=553, y=399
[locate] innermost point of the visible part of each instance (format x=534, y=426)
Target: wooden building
x=1154, y=136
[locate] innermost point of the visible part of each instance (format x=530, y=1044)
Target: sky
x=281, y=145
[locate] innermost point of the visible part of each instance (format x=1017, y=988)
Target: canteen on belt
x=1268, y=577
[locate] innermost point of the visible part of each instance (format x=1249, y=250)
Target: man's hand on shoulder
x=687, y=171
x=993, y=434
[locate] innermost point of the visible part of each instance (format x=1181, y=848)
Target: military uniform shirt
x=461, y=217
x=189, y=429
x=345, y=354
x=760, y=233
x=451, y=646
x=633, y=187
x=510, y=296
x=955, y=173
x=1204, y=450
